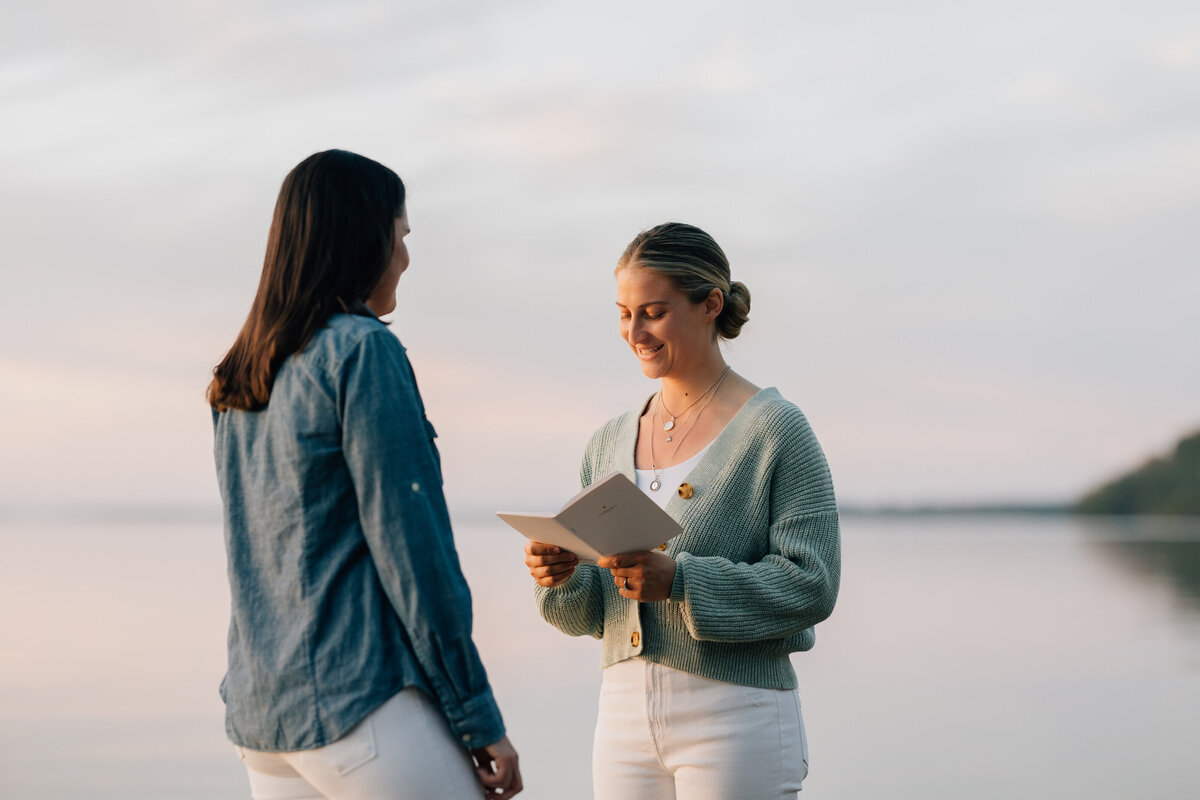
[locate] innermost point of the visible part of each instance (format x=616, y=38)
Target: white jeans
x=403, y=750
x=663, y=734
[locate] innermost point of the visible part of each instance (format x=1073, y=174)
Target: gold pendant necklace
x=669, y=425
x=656, y=484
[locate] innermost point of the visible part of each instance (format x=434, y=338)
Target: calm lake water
x=969, y=657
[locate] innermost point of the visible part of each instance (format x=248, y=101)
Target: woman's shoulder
x=608, y=441
x=771, y=407
x=614, y=426
x=776, y=418
x=351, y=329
x=606, y=434
x=345, y=334
x=800, y=469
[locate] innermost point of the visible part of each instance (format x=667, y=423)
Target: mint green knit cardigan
x=757, y=564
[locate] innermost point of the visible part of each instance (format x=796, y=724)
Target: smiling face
x=670, y=335
x=383, y=296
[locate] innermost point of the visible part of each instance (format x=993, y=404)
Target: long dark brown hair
x=330, y=242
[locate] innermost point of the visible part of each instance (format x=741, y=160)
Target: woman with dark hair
x=698, y=700
x=352, y=673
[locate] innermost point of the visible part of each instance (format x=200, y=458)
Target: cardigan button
x=635, y=638
x=686, y=491
x=662, y=546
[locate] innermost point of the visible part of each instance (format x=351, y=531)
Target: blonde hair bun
x=736, y=312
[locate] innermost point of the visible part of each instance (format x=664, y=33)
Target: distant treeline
x=1169, y=485
x=1024, y=509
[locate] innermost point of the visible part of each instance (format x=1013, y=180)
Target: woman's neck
x=680, y=392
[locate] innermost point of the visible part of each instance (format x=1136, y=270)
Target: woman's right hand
x=548, y=564
x=497, y=770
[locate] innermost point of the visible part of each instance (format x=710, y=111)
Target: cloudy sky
x=964, y=225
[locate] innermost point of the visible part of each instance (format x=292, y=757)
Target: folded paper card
x=611, y=516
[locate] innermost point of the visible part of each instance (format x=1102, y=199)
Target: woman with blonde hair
x=698, y=700
x=352, y=674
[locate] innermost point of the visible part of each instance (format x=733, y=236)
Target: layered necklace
x=669, y=425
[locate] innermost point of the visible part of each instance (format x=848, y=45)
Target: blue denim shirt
x=345, y=583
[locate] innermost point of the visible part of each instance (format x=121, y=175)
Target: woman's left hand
x=645, y=576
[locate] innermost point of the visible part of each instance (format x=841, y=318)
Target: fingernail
x=555, y=551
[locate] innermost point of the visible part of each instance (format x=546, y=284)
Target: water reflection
x=1164, y=550
x=983, y=657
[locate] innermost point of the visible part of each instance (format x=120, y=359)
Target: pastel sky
x=964, y=225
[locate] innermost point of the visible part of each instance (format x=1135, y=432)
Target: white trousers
x=403, y=750
x=663, y=734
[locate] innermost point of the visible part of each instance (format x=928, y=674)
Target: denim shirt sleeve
x=397, y=480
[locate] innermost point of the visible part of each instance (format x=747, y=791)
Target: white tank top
x=670, y=477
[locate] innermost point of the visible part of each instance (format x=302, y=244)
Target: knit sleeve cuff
x=575, y=606
x=571, y=586
x=677, y=583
